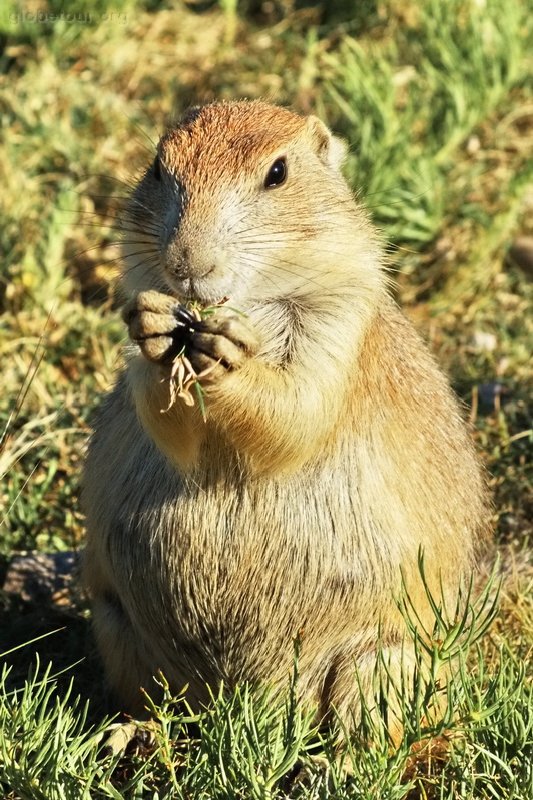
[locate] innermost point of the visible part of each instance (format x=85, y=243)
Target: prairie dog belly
x=228, y=589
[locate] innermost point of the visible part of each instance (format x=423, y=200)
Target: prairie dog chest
x=220, y=547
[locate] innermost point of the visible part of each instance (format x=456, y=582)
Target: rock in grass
x=521, y=253
x=42, y=577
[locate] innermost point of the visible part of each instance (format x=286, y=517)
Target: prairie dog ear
x=330, y=149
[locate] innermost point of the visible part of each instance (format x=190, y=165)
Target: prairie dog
x=333, y=448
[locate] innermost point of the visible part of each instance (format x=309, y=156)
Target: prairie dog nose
x=183, y=261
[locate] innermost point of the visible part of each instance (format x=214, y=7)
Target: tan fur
x=333, y=448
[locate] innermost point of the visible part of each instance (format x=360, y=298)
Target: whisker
x=149, y=263
x=153, y=145
x=140, y=252
x=131, y=184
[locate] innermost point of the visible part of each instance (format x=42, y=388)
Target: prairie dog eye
x=156, y=168
x=277, y=173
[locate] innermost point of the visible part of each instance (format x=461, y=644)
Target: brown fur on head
x=333, y=449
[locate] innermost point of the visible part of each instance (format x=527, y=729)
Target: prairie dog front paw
x=158, y=324
x=221, y=342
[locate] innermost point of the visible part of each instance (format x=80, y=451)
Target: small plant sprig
x=183, y=377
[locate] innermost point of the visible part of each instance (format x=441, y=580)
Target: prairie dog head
x=244, y=200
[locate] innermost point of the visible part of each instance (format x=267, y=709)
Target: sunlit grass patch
x=408, y=102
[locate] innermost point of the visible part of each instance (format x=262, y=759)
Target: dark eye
x=156, y=167
x=277, y=174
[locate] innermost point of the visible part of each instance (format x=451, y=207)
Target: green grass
x=477, y=741
x=435, y=101
x=407, y=104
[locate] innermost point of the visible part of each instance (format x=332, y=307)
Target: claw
x=184, y=317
